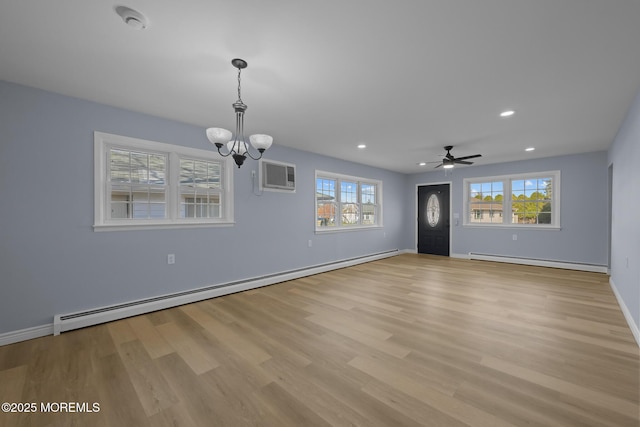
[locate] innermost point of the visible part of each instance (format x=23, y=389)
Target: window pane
x=213, y=175
x=531, y=201
x=200, y=173
x=120, y=174
x=137, y=185
x=157, y=167
x=349, y=214
x=201, y=178
x=200, y=207
x=139, y=168
x=349, y=210
x=326, y=215
x=368, y=214
x=199, y=189
x=348, y=192
x=368, y=193
x=186, y=172
x=544, y=217
x=326, y=202
x=486, y=202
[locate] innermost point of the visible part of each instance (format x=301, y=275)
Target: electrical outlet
x=515, y=237
x=171, y=259
x=310, y=242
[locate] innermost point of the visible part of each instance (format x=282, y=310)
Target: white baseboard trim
x=627, y=314
x=26, y=334
x=538, y=262
x=68, y=322
x=462, y=256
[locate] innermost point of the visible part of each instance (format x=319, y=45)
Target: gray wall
x=52, y=262
x=624, y=156
x=583, y=215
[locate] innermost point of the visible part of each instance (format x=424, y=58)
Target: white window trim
x=103, y=142
x=506, y=180
x=347, y=228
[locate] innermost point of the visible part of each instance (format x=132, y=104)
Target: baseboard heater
x=539, y=262
x=68, y=322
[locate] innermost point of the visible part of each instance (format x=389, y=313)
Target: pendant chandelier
x=236, y=145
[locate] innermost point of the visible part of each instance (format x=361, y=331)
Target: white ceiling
x=404, y=77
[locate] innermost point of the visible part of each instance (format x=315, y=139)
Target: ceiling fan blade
x=438, y=165
x=469, y=157
x=462, y=162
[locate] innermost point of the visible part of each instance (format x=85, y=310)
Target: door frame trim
x=415, y=211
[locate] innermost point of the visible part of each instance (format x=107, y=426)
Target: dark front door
x=433, y=219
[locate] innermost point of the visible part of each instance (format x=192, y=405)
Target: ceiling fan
x=449, y=161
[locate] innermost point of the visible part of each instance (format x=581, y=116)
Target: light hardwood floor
x=412, y=340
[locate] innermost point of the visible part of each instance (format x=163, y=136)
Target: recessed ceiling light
x=361, y=146
x=529, y=148
x=507, y=113
x=132, y=18
x=422, y=164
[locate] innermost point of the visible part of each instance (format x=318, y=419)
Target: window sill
x=159, y=226
x=515, y=226
x=347, y=229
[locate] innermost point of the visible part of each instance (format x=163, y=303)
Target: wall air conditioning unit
x=277, y=176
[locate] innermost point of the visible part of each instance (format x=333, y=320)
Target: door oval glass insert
x=433, y=210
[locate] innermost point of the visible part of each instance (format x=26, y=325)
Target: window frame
x=507, y=204
x=104, y=142
x=339, y=178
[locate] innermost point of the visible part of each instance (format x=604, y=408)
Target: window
x=200, y=188
x=346, y=202
x=142, y=184
x=524, y=200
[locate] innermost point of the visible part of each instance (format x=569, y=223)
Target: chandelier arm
x=222, y=154
x=248, y=153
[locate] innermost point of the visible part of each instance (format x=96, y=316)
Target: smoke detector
x=132, y=18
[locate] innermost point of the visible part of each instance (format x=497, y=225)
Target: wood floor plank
x=595, y=397
x=243, y=347
x=12, y=382
x=447, y=404
x=288, y=409
x=146, y=332
x=198, y=360
x=151, y=388
x=412, y=340
x=121, y=331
